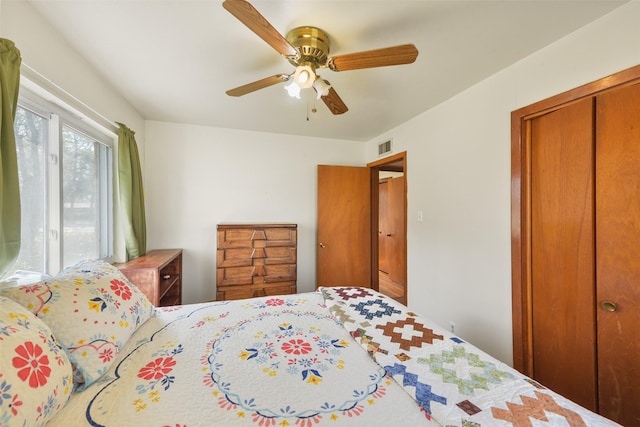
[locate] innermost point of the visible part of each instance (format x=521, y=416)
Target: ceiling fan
x=307, y=48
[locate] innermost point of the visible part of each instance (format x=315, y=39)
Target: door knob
x=322, y=245
x=608, y=306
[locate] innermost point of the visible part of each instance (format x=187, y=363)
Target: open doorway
x=389, y=226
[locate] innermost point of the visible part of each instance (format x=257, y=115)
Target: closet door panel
x=562, y=251
x=618, y=251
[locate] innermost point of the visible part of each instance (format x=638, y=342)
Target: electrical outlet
x=452, y=327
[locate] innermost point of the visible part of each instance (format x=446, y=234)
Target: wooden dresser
x=158, y=274
x=256, y=260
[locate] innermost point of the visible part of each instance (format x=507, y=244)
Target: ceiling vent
x=384, y=148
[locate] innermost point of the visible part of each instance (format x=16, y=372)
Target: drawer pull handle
x=322, y=245
x=608, y=306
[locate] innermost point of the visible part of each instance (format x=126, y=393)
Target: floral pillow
x=35, y=372
x=92, y=309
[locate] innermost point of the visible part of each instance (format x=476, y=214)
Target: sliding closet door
x=602, y=250
x=618, y=250
x=562, y=251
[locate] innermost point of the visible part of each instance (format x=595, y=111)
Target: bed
x=86, y=348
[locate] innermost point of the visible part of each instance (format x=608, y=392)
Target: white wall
x=44, y=50
x=197, y=177
x=458, y=174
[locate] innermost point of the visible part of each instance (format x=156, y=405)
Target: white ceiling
x=174, y=59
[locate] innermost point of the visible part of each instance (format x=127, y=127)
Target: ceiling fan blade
x=259, y=84
x=334, y=102
x=395, y=55
x=250, y=17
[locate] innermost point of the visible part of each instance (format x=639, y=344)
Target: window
x=66, y=187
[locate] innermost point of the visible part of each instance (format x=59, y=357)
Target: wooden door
x=396, y=237
x=383, y=225
x=618, y=253
x=562, y=249
x=344, y=226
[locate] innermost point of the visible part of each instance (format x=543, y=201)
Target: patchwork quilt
x=453, y=381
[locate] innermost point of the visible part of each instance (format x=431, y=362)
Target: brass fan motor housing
x=312, y=43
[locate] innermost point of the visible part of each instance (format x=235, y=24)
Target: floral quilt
x=453, y=381
x=271, y=361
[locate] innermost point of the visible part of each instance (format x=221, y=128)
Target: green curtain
x=131, y=193
x=9, y=182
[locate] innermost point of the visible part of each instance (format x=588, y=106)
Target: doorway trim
x=375, y=168
x=521, y=282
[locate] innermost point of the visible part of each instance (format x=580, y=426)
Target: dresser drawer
x=259, y=237
x=280, y=255
x=241, y=292
x=238, y=257
x=235, y=257
x=251, y=275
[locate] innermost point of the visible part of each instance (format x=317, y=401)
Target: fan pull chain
x=313, y=108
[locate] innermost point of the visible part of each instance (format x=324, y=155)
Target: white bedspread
x=279, y=361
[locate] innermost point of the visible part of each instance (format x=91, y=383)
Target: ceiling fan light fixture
x=293, y=89
x=322, y=87
x=304, y=76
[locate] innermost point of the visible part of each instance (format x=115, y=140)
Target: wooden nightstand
x=158, y=274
